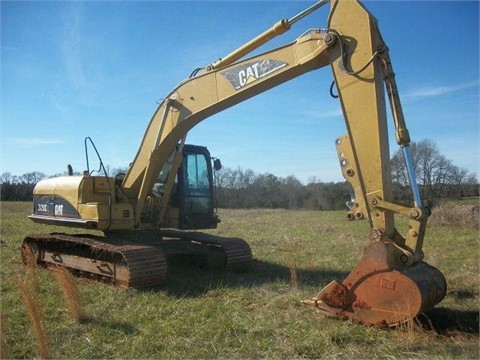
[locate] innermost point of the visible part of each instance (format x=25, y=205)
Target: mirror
x=217, y=164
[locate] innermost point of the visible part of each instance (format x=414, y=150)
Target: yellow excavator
x=147, y=213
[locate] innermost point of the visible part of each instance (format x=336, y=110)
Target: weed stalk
x=71, y=293
x=32, y=273
x=293, y=274
x=30, y=299
x=3, y=344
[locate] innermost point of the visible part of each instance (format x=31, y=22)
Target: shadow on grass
x=120, y=326
x=450, y=322
x=187, y=281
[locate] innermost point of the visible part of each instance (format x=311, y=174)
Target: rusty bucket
x=379, y=294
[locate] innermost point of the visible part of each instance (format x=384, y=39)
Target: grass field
x=253, y=314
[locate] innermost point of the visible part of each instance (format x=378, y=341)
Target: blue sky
x=83, y=68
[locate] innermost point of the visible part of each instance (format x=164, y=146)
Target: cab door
x=195, y=189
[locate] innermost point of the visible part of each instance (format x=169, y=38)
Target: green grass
x=252, y=314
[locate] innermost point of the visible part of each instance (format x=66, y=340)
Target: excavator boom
x=210, y=92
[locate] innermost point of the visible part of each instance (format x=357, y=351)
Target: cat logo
x=248, y=73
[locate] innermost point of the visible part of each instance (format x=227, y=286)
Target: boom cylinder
x=279, y=28
x=307, y=11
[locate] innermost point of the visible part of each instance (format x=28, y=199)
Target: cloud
x=72, y=45
x=324, y=114
x=29, y=143
x=432, y=91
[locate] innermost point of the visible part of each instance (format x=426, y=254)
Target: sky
x=72, y=69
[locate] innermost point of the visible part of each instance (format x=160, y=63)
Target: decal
x=51, y=205
x=248, y=73
x=59, y=210
x=387, y=284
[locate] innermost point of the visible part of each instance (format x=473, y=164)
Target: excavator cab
x=194, y=195
x=189, y=190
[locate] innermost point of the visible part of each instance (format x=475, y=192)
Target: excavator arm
x=391, y=283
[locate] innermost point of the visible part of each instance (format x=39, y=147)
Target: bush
x=458, y=215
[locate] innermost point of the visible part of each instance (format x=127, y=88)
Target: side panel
x=87, y=202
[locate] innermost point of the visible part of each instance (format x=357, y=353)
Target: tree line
x=238, y=188
x=19, y=188
x=438, y=178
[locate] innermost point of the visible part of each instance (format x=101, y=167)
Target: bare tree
x=437, y=176
x=32, y=178
x=294, y=191
x=6, y=178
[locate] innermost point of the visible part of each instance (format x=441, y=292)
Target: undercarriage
x=137, y=264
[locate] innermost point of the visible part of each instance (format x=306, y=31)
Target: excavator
x=154, y=210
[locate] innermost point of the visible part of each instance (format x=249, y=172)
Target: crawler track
x=229, y=254
x=113, y=262
x=124, y=263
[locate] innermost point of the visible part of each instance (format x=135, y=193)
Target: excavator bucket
x=377, y=294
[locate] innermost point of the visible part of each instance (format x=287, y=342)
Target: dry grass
x=293, y=274
x=30, y=288
x=31, y=267
x=457, y=215
x=37, y=318
x=4, y=351
x=249, y=315
x=71, y=294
